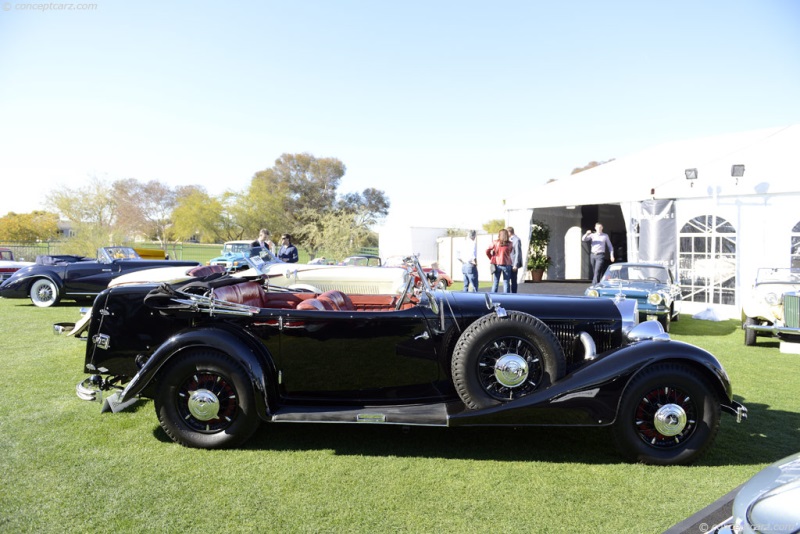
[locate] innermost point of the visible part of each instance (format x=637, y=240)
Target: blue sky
x=447, y=106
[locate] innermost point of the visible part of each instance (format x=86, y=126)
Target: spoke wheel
x=669, y=415
x=44, y=293
x=498, y=360
x=204, y=400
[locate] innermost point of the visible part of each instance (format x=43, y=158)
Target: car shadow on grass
x=765, y=437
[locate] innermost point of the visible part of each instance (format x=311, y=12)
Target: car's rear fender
x=249, y=353
x=23, y=282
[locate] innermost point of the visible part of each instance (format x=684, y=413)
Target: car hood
x=771, y=497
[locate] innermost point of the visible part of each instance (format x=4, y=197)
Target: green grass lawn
x=68, y=468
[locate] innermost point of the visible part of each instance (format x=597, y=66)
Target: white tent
x=757, y=212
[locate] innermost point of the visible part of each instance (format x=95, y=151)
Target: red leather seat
x=311, y=304
x=201, y=271
x=247, y=293
x=328, y=303
x=341, y=300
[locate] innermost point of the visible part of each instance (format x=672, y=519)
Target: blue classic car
x=652, y=286
x=52, y=278
x=220, y=355
x=233, y=255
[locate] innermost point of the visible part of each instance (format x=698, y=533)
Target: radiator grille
x=791, y=310
x=567, y=335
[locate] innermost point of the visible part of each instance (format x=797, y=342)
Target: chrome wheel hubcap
x=203, y=405
x=511, y=370
x=670, y=420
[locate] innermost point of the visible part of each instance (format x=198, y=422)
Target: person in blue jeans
x=516, y=257
x=468, y=256
x=601, y=249
x=499, y=255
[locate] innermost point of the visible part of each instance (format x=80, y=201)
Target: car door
x=89, y=277
x=340, y=356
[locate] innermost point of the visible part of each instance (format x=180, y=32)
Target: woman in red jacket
x=499, y=255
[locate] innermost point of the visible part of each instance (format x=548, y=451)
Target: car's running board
x=418, y=414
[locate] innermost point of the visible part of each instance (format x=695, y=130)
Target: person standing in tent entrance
x=601, y=250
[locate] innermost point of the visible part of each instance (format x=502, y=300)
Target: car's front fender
x=590, y=395
x=251, y=355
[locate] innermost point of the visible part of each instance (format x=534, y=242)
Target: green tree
x=91, y=210
x=494, y=226
x=145, y=208
x=34, y=226
x=198, y=215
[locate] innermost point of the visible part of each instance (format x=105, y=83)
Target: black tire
x=670, y=390
x=533, y=359
x=441, y=284
x=749, y=335
x=214, y=380
x=665, y=321
x=44, y=293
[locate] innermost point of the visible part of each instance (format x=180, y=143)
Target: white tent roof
x=769, y=156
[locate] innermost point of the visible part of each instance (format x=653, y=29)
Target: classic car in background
x=221, y=355
x=773, y=306
x=437, y=277
x=652, y=286
x=264, y=266
x=364, y=260
x=233, y=255
x=52, y=278
x=768, y=502
x=8, y=264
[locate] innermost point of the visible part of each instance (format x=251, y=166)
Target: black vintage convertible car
x=57, y=277
x=219, y=355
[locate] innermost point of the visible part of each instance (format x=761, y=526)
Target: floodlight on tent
x=691, y=174
x=737, y=171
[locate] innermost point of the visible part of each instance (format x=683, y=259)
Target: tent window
x=707, y=260
x=795, y=250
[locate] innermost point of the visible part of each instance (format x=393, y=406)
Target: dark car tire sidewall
x=665, y=321
x=205, y=360
x=35, y=290
x=657, y=376
x=467, y=353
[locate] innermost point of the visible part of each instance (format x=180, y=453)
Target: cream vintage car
x=264, y=267
x=773, y=306
x=301, y=276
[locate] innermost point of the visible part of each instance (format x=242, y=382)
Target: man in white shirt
x=601, y=249
x=468, y=256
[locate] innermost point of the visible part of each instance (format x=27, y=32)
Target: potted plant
x=538, y=260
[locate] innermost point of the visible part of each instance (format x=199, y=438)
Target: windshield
x=236, y=248
x=635, y=273
x=109, y=254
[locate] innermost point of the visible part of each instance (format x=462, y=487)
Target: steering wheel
x=405, y=294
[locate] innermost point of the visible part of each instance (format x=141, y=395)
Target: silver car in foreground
x=768, y=502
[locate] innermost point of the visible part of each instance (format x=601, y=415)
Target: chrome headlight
x=773, y=299
x=592, y=293
x=655, y=299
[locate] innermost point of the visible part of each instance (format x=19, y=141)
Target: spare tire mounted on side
x=499, y=359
